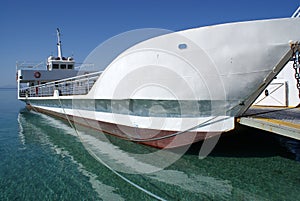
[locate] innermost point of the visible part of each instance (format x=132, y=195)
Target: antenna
x=59, y=52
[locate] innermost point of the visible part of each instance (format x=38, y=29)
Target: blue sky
x=28, y=28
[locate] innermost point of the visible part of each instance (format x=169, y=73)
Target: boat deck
x=282, y=121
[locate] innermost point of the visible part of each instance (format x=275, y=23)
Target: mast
x=59, y=52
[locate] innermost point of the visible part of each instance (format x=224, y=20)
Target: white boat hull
x=213, y=74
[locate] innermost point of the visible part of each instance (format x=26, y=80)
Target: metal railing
x=296, y=13
x=79, y=85
x=29, y=65
x=20, y=65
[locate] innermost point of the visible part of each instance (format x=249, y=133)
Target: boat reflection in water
x=61, y=141
x=120, y=170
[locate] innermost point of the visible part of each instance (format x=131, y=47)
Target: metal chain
x=296, y=65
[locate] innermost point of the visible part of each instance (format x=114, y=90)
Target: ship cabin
x=59, y=73
x=55, y=63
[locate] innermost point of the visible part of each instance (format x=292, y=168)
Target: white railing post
x=296, y=13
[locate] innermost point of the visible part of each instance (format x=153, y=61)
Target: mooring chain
x=296, y=64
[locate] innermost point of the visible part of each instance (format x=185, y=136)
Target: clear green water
x=41, y=158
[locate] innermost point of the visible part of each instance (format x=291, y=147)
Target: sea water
x=44, y=158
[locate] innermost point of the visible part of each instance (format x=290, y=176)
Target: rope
x=106, y=165
x=205, y=123
x=180, y=132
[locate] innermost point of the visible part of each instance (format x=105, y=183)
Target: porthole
x=182, y=46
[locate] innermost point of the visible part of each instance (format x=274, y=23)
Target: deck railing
x=79, y=85
x=20, y=65
x=296, y=13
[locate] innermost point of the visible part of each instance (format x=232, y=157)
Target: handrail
x=296, y=13
x=70, y=78
x=22, y=65
x=79, y=85
x=29, y=65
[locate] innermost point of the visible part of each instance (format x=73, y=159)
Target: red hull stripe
x=145, y=136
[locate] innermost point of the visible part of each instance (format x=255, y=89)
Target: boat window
x=63, y=66
x=70, y=66
x=55, y=66
x=182, y=46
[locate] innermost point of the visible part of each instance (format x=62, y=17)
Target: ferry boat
x=167, y=91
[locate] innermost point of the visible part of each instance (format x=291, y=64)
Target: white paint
x=282, y=90
x=219, y=124
x=222, y=62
